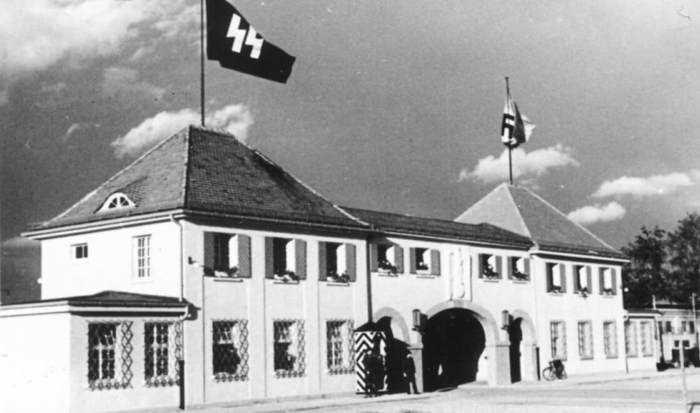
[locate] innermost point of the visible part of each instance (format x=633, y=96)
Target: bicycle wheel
x=548, y=374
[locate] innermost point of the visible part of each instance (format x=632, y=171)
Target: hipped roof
x=520, y=210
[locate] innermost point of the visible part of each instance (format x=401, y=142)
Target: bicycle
x=555, y=370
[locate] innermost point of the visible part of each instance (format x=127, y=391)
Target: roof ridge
x=186, y=174
x=517, y=207
x=567, y=218
x=483, y=199
x=121, y=172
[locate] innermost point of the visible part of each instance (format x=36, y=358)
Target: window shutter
x=509, y=267
x=269, y=259
x=550, y=276
x=576, y=278
x=499, y=266
x=300, y=250
x=526, y=267
x=373, y=257
x=322, y=266
x=601, y=280
x=613, y=280
x=244, y=264
x=398, y=259
x=480, y=265
x=562, y=277
x=350, y=256
x=412, y=260
x=435, y=262
x=209, y=250
x=589, y=278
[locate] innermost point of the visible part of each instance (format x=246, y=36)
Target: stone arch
x=529, y=331
x=527, y=367
x=395, y=316
x=488, y=322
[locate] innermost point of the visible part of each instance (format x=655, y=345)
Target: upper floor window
x=518, y=268
x=337, y=262
x=608, y=281
x=285, y=259
x=79, y=252
x=490, y=266
x=556, y=277
x=582, y=279
x=424, y=261
x=227, y=255
x=386, y=258
x=117, y=201
x=142, y=257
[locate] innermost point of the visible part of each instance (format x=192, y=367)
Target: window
x=608, y=281
x=337, y=262
x=79, y=252
x=339, y=352
x=631, y=338
x=285, y=259
x=490, y=266
x=691, y=327
x=582, y=279
x=556, y=278
x=227, y=255
x=585, y=340
x=163, y=351
x=669, y=327
x=519, y=268
x=684, y=326
x=230, y=350
x=142, y=257
x=558, y=337
x=610, y=339
x=289, y=348
x=389, y=259
x=109, y=355
x=424, y=261
x=647, y=338
x=117, y=201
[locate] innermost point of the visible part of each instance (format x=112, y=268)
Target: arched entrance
x=453, y=342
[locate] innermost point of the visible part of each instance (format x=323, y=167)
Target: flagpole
x=201, y=42
x=510, y=148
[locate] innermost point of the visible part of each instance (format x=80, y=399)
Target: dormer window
x=117, y=201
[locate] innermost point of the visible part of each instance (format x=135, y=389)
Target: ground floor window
x=163, y=351
x=109, y=354
x=585, y=340
x=647, y=338
x=558, y=340
x=610, y=339
x=339, y=350
x=631, y=339
x=290, y=357
x=230, y=350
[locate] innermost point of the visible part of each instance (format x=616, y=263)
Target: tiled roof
x=200, y=170
x=116, y=299
x=432, y=227
x=520, y=210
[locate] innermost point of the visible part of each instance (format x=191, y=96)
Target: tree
x=664, y=265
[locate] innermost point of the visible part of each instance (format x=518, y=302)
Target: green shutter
x=244, y=264
x=412, y=260
x=576, y=279
x=435, y=262
x=509, y=267
x=613, y=279
x=601, y=280
x=550, y=276
x=562, y=277
x=269, y=258
x=209, y=249
x=300, y=251
x=322, y=266
x=350, y=255
x=589, y=278
x=398, y=258
x=526, y=267
x=374, y=258
x=499, y=266
x=480, y=265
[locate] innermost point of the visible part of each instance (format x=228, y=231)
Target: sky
x=392, y=105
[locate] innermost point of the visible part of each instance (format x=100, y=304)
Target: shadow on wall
x=453, y=342
x=396, y=351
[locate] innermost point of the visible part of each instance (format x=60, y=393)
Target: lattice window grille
x=558, y=337
x=289, y=348
x=646, y=336
x=631, y=338
x=163, y=351
x=610, y=339
x=340, y=350
x=585, y=340
x=230, y=350
x=109, y=355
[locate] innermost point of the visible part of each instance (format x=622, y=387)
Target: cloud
x=535, y=163
x=598, y=213
x=35, y=34
x=652, y=186
x=235, y=119
x=124, y=83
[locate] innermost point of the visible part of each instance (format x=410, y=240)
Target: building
x=204, y=274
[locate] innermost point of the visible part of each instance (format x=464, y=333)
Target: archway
x=453, y=342
x=516, y=337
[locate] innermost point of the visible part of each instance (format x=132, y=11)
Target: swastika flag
x=235, y=44
x=516, y=128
